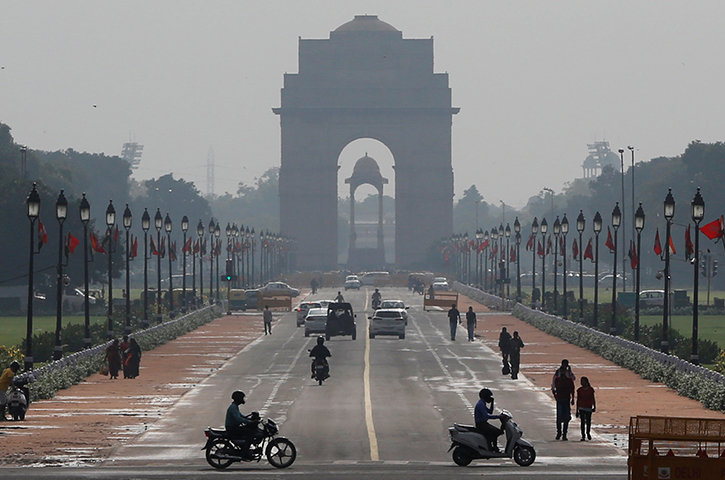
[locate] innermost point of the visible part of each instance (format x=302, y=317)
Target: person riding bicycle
x=376, y=298
x=241, y=428
x=319, y=354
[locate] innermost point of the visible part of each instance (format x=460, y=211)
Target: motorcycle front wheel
x=461, y=457
x=281, y=453
x=216, y=450
x=524, y=456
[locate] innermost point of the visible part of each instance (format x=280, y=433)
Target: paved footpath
x=82, y=424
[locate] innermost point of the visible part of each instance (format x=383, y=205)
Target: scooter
x=468, y=444
x=17, y=400
x=321, y=370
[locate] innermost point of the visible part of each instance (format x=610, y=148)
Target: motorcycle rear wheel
x=461, y=457
x=219, y=447
x=281, y=453
x=524, y=456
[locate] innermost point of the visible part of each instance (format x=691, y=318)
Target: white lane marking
x=372, y=438
x=282, y=378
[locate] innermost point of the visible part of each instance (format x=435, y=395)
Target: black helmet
x=485, y=394
x=238, y=397
x=376, y=289
x=320, y=340
x=15, y=366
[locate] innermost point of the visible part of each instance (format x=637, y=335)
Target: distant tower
x=600, y=155
x=132, y=152
x=210, y=173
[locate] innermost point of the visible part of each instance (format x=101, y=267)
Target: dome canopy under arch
x=365, y=23
x=366, y=171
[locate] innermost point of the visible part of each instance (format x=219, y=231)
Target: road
x=384, y=412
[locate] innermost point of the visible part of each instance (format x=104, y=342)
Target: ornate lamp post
x=127, y=220
x=145, y=225
x=517, y=230
x=110, y=222
x=564, y=231
x=184, y=252
x=479, y=237
x=580, y=225
x=534, y=231
x=159, y=224
x=167, y=228
x=217, y=233
x=698, y=213
x=669, y=205
x=262, y=257
x=507, y=255
x=616, y=222
x=212, y=250
x=557, y=232
x=33, y=204
x=252, y=242
x=638, y=226
x=597, y=226
x=544, y=228
x=85, y=214
x=235, y=236
x=200, y=234
x=248, y=248
x=494, y=263
x=61, y=212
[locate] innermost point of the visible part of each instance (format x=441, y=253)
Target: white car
x=352, y=282
x=278, y=288
x=387, y=322
x=325, y=303
x=75, y=300
x=652, y=298
x=302, y=310
x=315, y=321
x=441, y=284
x=396, y=305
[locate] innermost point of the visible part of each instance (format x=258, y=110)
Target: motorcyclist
x=240, y=428
x=482, y=414
x=319, y=353
x=376, y=298
x=5, y=381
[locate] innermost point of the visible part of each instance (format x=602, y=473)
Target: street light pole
x=669, y=205
x=217, y=233
x=253, y=242
x=167, y=228
x=494, y=263
x=200, y=234
x=110, y=222
x=145, y=225
x=212, y=250
x=517, y=230
x=597, y=225
x=557, y=232
x=127, y=219
x=158, y=224
x=638, y=226
x=624, y=227
x=33, y=204
x=616, y=222
x=61, y=212
x=698, y=213
x=580, y=225
x=534, y=231
x=507, y=233
x=85, y=214
x=544, y=229
x=564, y=231
x=184, y=252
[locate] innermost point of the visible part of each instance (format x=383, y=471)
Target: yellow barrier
x=676, y=448
x=275, y=302
x=440, y=299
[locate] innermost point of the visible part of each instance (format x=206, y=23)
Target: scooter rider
x=320, y=353
x=240, y=427
x=5, y=381
x=376, y=297
x=482, y=413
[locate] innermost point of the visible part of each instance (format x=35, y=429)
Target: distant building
x=132, y=152
x=600, y=155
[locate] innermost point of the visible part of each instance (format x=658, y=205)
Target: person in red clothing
x=564, y=394
x=586, y=404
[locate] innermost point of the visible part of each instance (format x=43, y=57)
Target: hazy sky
x=536, y=81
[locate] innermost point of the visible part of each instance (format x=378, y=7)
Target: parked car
x=396, y=305
x=387, y=322
x=73, y=300
x=352, y=282
x=252, y=298
x=278, y=288
x=315, y=321
x=302, y=310
x=652, y=298
x=340, y=320
x=440, y=284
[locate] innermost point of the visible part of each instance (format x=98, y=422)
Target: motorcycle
x=419, y=288
x=468, y=444
x=17, y=399
x=222, y=451
x=376, y=303
x=321, y=370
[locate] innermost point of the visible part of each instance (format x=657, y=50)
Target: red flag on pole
x=633, y=258
x=134, y=247
x=512, y=256
x=610, y=242
x=540, y=249
x=575, y=250
x=589, y=252
x=530, y=243
x=548, y=245
x=658, y=245
x=172, y=251
x=72, y=243
x=689, y=247
x=714, y=229
x=96, y=245
x=672, y=246
x=162, y=247
x=196, y=246
x=42, y=235
x=187, y=246
x=203, y=247
x=154, y=250
x=494, y=251
x=115, y=235
x=562, y=246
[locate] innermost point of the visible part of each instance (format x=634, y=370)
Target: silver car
x=302, y=310
x=387, y=322
x=315, y=321
x=397, y=305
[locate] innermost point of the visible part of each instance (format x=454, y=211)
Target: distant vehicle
x=74, y=301
x=377, y=279
x=315, y=321
x=252, y=298
x=652, y=298
x=606, y=280
x=325, y=303
x=387, y=322
x=440, y=284
x=352, y=282
x=396, y=305
x=302, y=310
x=340, y=320
x=237, y=299
x=278, y=288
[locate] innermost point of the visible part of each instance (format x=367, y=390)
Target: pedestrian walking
x=267, y=317
x=504, y=344
x=134, y=358
x=564, y=395
x=471, y=323
x=515, y=346
x=586, y=404
x=113, y=357
x=123, y=346
x=454, y=318
x=564, y=369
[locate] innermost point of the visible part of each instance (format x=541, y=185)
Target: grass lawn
x=13, y=329
x=711, y=327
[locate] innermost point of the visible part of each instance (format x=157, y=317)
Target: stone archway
x=365, y=81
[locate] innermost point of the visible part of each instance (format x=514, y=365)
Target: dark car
x=340, y=321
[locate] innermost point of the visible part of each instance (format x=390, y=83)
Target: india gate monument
x=365, y=81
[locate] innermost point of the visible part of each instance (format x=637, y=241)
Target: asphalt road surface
x=384, y=413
